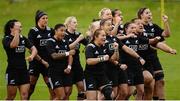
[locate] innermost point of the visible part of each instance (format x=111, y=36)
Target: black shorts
x=95, y=81
x=35, y=68
x=113, y=75
x=155, y=62
x=122, y=77
x=77, y=72
x=135, y=78
x=59, y=79
x=17, y=77
x=149, y=67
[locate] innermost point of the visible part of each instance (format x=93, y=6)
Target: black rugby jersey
x=71, y=37
x=110, y=39
x=39, y=39
x=151, y=31
x=55, y=46
x=140, y=45
x=94, y=51
x=16, y=56
x=120, y=29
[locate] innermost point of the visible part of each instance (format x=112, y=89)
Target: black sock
x=155, y=98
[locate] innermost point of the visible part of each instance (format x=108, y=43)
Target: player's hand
x=16, y=31
x=173, y=51
x=106, y=57
x=118, y=20
x=81, y=37
x=115, y=45
x=67, y=70
x=165, y=18
x=46, y=64
x=29, y=58
x=131, y=35
x=142, y=61
x=123, y=66
x=72, y=52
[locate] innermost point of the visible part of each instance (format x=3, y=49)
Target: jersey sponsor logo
x=12, y=81
x=91, y=86
x=150, y=34
x=23, y=42
x=152, y=30
x=136, y=42
x=57, y=83
x=65, y=46
x=106, y=41
x=111, y=47
x=127, y=42
x=114, y=39
x=31, y=71
x=43, y=42
x=143, y=47
x=70, y=40
x=62, y=51
x=96, y=52
x=39, y=36
x=49, y=35
x=20, y=49
x=104, y=50
x=57, y=47
x=134, y=47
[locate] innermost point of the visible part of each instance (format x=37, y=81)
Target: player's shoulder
x=34, y=29
x=91, y=45
x=51, y=40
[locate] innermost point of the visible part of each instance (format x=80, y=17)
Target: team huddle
x=121, y=59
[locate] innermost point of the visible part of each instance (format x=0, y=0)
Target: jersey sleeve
x=6, y=42
x=84, y=41
x=89, y=52
x=31, y=36
x=120, y=43
x=50, y=47
x=158, y=32
x=28, y=44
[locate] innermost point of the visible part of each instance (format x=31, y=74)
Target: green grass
x=85, y=11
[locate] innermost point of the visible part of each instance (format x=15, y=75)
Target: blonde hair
x=101, y=12
x=93, y=25
x=68, y=20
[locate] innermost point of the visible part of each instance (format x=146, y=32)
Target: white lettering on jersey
x=20, y=49
x=134, y=47
x=43, y=42
x=143, y=47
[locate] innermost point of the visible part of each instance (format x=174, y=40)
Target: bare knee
x=24, y=95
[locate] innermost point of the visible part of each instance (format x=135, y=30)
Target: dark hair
x=126, y=25
x=102, y=22
x=140, y=12
x=57, y=26
x=96, y=34
x=114, y=12
x=38, y=15
x=7, y=28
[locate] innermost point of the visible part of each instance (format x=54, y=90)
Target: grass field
x=85, y=11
